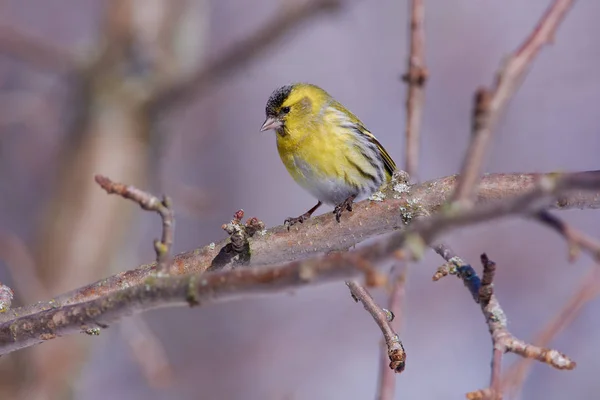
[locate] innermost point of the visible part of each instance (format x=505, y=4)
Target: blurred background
x=92, y=86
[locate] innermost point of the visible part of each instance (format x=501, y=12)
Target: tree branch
x=415, y=78
x=322, y=234
x=576, y=240
x=149, y=203
x=247, y=49
x=503, y=341
x=35, y=51
x=138, y=290
x=491, y=103
x=395, y=350
x=588, y=289
x=387, y=376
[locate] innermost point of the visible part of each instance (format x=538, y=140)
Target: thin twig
x=415, y=78
x=486, y=292
x=576, y=240
x=35, y=51
x=282, y=23
x=148, y=202
x=387, y=377
x=148, y=351
x=21, y=265
x=503, y=341
x=588, y=289
x=382, y=318
x=491, y=103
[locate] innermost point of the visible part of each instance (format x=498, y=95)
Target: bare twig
x=148, y=351
x=576, y=240
x=490, y=103
x=382, y=318
x=21, y=266
x=486, y=291
x=387, y=377
x=503, y=341
x=35, y=51
x=247, y=49
x=107, y=301
x=150, y=203
x=588, y=289
x=415, y=78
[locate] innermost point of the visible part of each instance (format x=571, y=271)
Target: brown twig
x=576, y=240
x=21, y=266
x=486, y=292
x=588, y=289
x=490, y=103
x=415, y=78
x=247, y=49
x=387, y=377
x=395, y=350
x=138, y=290
x=503, y=341
x=35, y=51
x=148, y=351
x=148, y=202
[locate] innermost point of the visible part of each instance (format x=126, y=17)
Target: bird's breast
x=319, y=164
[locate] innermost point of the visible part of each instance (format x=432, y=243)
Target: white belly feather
x=326, y=189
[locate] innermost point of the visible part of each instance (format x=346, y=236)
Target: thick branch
x=95, y=306
x=323, y=234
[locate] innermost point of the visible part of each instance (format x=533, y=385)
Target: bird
x=326, y=149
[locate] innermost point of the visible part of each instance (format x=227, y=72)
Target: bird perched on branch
x=327, y=149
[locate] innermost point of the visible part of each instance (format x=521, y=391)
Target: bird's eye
x=285, y=110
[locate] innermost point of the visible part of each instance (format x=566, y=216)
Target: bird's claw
x=345, y=205
x=294, y=220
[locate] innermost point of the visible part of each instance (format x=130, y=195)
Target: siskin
x=327, y=149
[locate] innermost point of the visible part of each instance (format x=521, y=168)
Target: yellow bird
x=325, y=148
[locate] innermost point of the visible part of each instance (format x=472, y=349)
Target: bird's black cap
x=276, y=100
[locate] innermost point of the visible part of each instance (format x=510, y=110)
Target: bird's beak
x=271, y=123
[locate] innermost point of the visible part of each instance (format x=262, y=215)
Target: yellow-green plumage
x=326, y=148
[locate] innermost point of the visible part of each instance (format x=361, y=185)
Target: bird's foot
x=293, y=221
x=344, y=205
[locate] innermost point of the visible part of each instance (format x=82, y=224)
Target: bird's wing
x=357, y=126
